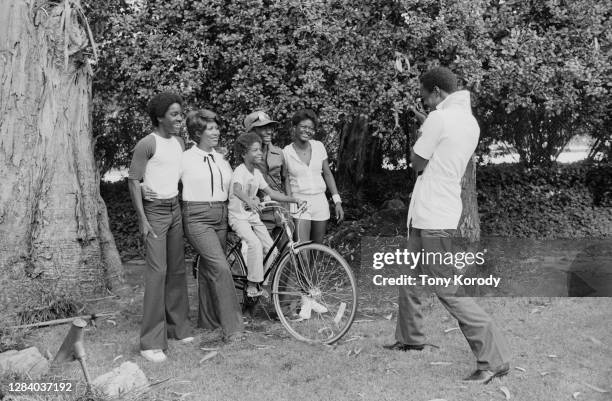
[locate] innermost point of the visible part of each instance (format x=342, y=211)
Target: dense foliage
x=539, y=71
x=548, y=75
x=556, y=202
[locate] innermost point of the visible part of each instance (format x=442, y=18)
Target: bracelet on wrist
x=336, y=198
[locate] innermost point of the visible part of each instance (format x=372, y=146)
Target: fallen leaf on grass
x=535, y=310
x=441, y=363
x=451, y=329
x=354, y=351
x=112, y=322
x=594, y=340
x=575, y=395
x=262, y=346
x=391, y=370
x=352, y=339
x=594, y=388
x=209, y=349
x=506, y=392
x=389, y=316
x=363, y=321
x=117, y=357
x=544, y=373
x=520, y=369
x=553, y=356
x=208, y=356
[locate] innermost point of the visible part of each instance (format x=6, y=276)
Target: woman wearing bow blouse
x=206, y=179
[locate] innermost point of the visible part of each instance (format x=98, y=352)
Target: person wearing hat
x=157, y=162
x=206, y=179
x=273, y=163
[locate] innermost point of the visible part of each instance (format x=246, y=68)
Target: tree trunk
x=469, y=224
x=54, y=233
x=352, y=155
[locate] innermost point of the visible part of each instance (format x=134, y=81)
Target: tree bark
x=54, y=233
x=469, y=224
x=352, y=156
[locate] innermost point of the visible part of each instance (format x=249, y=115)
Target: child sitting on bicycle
x=244, y=207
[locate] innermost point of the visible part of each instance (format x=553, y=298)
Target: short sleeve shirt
x=305, y=178
x=157, y=161
x=272, y=167
x=250, y=183
x=449, y=138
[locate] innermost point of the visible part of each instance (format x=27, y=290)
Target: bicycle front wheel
x=315, y=294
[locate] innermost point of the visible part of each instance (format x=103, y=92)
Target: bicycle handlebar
x=277, y=205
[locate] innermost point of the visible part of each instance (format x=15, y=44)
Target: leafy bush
x=122, y=218
x=536, y=69
x=563, y=201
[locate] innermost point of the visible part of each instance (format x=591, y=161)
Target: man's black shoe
x=404, y=347
x=485, y=376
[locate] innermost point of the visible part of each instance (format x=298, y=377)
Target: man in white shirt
x=157, y=161
x=440, y=156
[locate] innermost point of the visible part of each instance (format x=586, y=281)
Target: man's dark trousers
x=484, y=337
x=166, y=308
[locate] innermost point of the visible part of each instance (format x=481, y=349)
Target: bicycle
x=313, y=288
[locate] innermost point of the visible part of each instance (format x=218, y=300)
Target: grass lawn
x=562, y=351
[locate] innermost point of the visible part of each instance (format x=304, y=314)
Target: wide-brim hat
x=257, y=119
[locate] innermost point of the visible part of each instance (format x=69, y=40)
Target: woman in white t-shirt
x=308, y=176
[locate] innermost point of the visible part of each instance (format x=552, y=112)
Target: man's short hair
x=159, y=104
x=244, y=142
x=441, y=77
x=197, y=121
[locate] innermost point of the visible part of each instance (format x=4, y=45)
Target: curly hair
x=304, y=114
x=197, y=121
x=159, y=104
x=244, y=142
x=441, y=77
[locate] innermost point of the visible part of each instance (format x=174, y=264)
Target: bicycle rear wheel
x=238, y=268
x=315, y=294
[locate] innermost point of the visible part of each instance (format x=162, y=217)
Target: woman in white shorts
x=308, y=176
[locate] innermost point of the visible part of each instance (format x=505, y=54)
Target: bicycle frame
x=289, y=245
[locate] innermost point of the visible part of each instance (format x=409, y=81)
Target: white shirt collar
x=201, y=152
x=460, y=99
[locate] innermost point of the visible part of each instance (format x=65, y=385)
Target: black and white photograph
x=305, y=200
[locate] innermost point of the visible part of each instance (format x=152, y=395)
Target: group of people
x=298, y=173
x=214, y=196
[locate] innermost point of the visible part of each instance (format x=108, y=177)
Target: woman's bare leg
x=317, y=231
